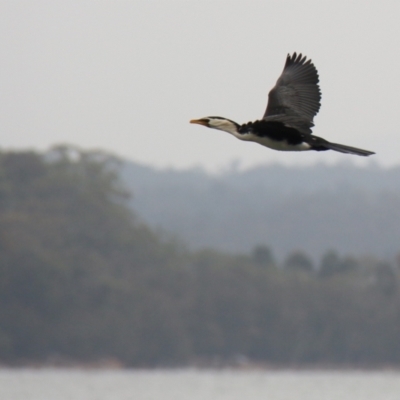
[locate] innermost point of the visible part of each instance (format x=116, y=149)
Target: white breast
x=273, y=144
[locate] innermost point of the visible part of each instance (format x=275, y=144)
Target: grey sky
x=127, y=76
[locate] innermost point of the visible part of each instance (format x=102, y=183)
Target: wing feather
x=296, y=94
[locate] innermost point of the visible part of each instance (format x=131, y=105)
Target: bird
x=288, y=119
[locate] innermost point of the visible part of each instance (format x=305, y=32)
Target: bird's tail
x=348, y=149
x=320, y=144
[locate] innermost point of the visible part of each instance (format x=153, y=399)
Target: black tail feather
x=348, y=149
x=320, y=144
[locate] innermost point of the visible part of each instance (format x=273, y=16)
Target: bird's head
x=220, y=123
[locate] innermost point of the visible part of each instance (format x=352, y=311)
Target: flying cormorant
x=288, y=119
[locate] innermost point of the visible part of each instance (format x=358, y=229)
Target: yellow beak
x=198, y=121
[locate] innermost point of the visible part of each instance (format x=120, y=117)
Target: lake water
x=191, y=384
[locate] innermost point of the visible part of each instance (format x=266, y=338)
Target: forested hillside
x=344, y=207
x=82, y=279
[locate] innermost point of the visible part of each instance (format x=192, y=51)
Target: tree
x=298, y=261
x=332, y=264
x=262, y=255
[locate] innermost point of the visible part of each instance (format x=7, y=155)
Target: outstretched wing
x=295, y=99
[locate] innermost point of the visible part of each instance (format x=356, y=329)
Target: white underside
x=273, y=144
x=230, y=127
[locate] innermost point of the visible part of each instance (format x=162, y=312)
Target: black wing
x=295, y=99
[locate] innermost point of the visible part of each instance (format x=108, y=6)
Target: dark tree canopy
x=81, y=278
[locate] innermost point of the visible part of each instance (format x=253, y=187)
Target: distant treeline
x=81, y=278
x=355, y=210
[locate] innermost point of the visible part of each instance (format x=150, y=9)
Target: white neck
x=224, y=125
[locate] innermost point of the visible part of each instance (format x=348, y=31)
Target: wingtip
x=298, y=58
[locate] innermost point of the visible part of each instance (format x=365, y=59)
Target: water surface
x=192, y=384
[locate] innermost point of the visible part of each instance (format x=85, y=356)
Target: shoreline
x=116, y=365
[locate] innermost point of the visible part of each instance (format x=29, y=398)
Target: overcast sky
x=127, y=76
